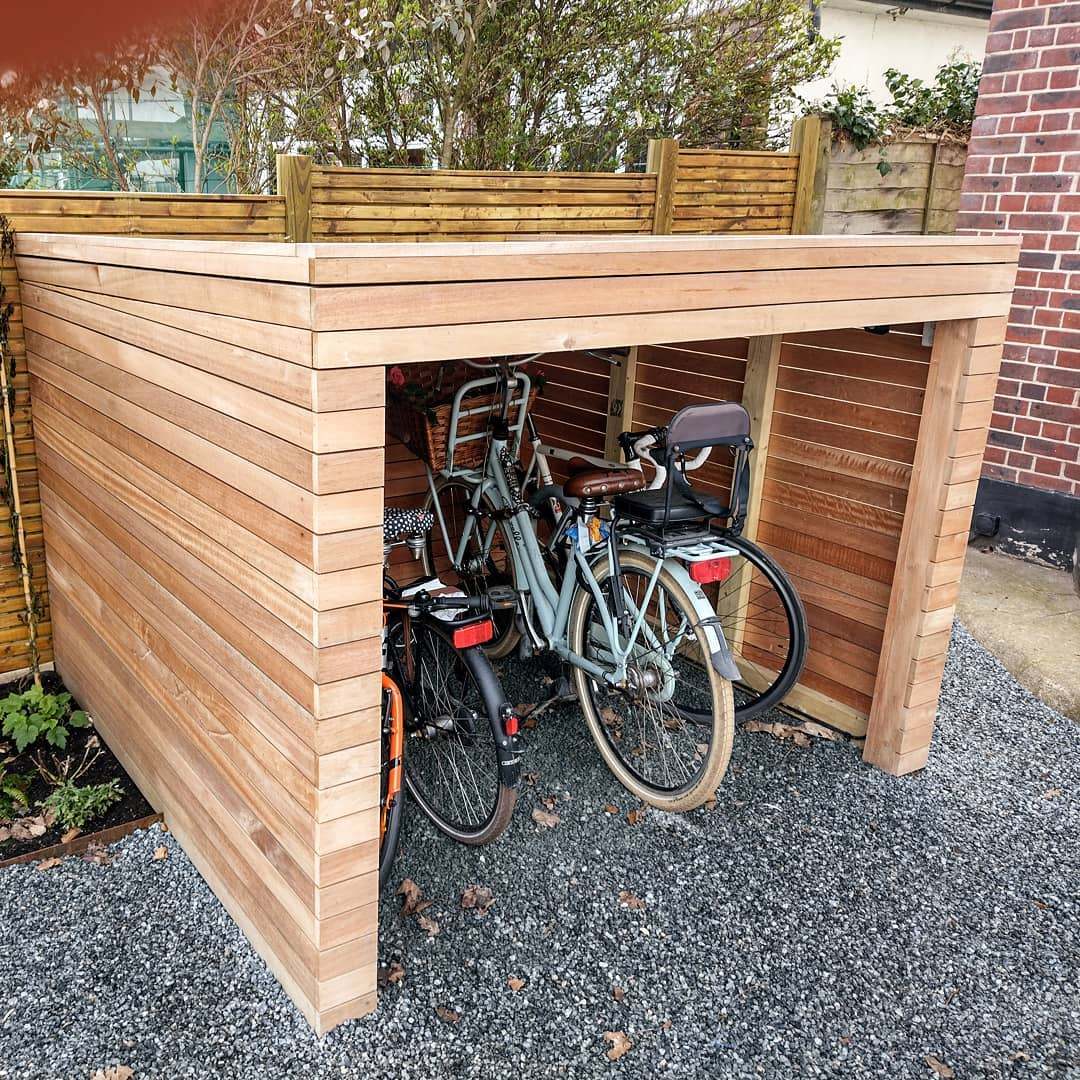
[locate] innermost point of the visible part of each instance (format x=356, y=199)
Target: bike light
x=512, y=724
x=474, y=633
x=709, y=570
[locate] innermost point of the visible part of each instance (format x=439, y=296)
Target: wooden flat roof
x=369, y=304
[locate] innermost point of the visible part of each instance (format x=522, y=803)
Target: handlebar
x=638, y=445
x=502, y=361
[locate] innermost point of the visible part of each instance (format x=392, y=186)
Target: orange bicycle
x=449, y=738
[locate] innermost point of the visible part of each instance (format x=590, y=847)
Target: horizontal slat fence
x=425, y=205
x=918, y=191
x=734, y=191
x=205, y=217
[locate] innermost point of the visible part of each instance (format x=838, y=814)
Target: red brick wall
x=1023, y=176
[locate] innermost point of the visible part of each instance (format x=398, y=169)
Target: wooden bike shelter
x=211, y=432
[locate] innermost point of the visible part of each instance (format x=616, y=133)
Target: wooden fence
x=907, y=186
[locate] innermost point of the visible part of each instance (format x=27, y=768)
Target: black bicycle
x=449, y=738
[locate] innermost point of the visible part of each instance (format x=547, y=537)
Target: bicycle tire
x=436, y=561
x=478, y=705
x=776, y=627
x=593, y=697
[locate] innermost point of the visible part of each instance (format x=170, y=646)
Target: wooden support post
x=663, y=161
x=759, y=389
x=294, y=183
x=952, y=436
x=620, y=416
x=811, y=137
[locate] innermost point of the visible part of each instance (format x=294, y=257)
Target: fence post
x=811, y=137
x=294, y=183
x=662, y=162
x=928, y=208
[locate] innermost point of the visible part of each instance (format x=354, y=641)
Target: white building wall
x=875, y=37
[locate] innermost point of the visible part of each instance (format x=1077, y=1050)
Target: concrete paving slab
x=1028, y=616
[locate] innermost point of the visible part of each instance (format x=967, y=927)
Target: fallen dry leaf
x=610, y=717
x=619, y=1044
x=113, y=1072
x=542, y=817
x=70, y=835
x=394, y=973
x=96, y=853
x=618, y=993
x=609, y=809
x=1053, y=793
x=515, y=983
x=478, y=897
x=48, y=864
x=530, y=778
x=665, y=1026
x=160, y=853
x=549, y=801
x=946, y=1072
x=635, y=816
x=430, y=925
x=628, y=899
x=413, y=902
x=451, y=1016
x=779, y=731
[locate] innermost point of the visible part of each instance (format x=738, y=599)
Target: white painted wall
x=875, y=37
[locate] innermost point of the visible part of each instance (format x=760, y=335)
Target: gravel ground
x=823, y=920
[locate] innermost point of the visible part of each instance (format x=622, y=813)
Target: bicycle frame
x=551, y=606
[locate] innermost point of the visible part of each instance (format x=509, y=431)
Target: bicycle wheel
x=667, y=736
x=479, y=572
x=391, y=791
x=764, y=625
x=460, y=768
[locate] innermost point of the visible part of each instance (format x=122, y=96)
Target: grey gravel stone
x=824, y=920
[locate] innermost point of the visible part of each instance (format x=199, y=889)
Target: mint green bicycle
x=617, y=597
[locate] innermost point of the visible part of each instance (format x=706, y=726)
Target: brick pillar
x=1023, y=176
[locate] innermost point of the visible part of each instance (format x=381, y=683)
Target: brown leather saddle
x=587, y=481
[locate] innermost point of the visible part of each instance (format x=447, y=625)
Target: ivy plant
x=35, y=714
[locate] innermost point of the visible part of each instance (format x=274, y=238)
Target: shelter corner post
x=294, y=185
x=811, y=137
x=945, y=476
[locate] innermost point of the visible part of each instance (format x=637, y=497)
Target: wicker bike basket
x=425, y=430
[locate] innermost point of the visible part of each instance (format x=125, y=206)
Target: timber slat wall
x=920, y=193
x=258, y=218
x=212, y=507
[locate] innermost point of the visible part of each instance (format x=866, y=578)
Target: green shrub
x=75, y=807
x=13, y=789
x=30, y=715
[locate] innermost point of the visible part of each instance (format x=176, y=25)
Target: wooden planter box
x=210, y=424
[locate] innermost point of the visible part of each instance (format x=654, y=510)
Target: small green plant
x=13, y=789
x=75, y=806
x=34, y=713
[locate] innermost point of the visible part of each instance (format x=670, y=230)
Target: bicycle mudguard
x=708, y=623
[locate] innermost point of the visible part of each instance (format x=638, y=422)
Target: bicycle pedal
x=501, y=598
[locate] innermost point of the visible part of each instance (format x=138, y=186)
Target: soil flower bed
x=58, y=779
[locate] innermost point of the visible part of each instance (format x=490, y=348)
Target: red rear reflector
x=710, y=570
x=475, y=633
x=512, y=724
